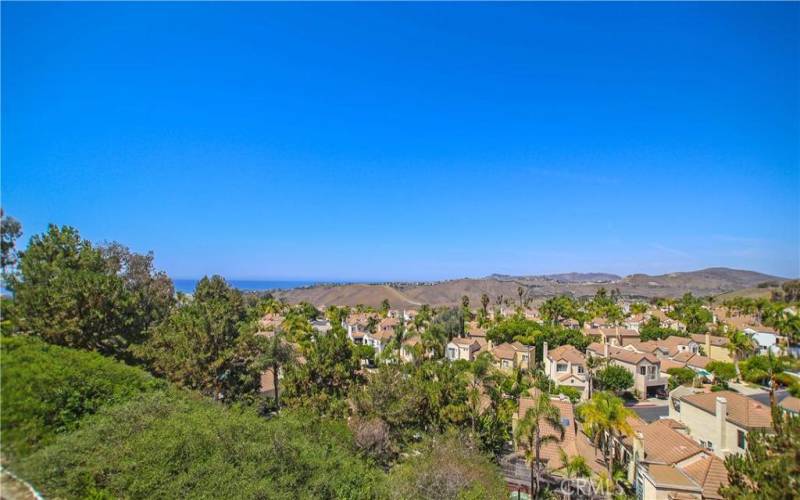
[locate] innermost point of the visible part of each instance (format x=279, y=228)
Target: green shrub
x=47, y=390
x=170, y=445
x=680, y=376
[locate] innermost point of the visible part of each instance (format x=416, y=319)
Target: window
x=451, y=353
x=741, y=439
x=651, y=372
x=580, y=369
x=642, y=370
x=561, y=367
x=506, y=363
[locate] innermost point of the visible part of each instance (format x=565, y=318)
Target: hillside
x=712, y=281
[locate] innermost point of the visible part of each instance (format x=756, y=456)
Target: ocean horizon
x=188, y=285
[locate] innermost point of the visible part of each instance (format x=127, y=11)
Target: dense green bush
x=170, y=445
x=47, y=390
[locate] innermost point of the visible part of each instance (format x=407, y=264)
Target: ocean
x=188, y=285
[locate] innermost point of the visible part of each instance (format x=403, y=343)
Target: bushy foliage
x=690, y=311
x=48, y=389
x=169, y=445
x=770, y=468
x=74, y=294
x=614, y=378
x=652, y=330
x=532, y=333
x=723, y=371
x=680, y=376
x=447, y=467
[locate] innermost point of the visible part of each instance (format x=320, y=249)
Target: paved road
x=763, y=397
x=651, y=413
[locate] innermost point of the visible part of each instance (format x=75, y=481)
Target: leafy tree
x=638, y=308
x=72, y=294
x=10, y=232
x=723, y=371
x=511, y=328
x=530, y=437
x=740, y=345
x=385, y=306
x=689, y=310
x=484, y=303
x=446, y=467
x=770, y=468
x=203, y=345
x=557, y=309
x=680, y=376
x=614, y=378
x=275, y=354
x=451, y=321
x=652, y=330
x=605, y=415
x=322, y=382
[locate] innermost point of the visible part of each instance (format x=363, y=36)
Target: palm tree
x=520, y=293
x=604, y=417
x=484, y=302
x=592, y=364
x=481, y=375
x=740, y=345
x=276, y=354
x=573, y=467
x=529, y=435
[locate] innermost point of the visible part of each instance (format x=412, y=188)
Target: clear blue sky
x=409, y=141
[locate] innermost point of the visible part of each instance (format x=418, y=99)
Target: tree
x=484, y=302
x=638, y=308
x=385, y=306
x=557, y=309
x=520, y=294
x=275, y=354
x=605, y=416
x=592, y=364
x=723, y=372
x=740, y=345
x=680, y=376
x=614, y=378
x=10, y=232
x=529, y=435
x=770, y=468
x=573, y=466
x=323, y=381
x=652, y=330
x=103, y=299
x=203, y=345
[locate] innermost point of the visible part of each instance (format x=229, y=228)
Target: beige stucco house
x=566, y=365
x=719, y=421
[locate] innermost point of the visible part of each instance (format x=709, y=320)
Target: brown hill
x=713, y=281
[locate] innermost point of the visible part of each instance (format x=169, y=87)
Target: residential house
x=720, y=421
x=613, y=335
x=463, y=348
x=715, y=347
x=634, y=321
x=378, y=340
x=509, y=355
x=645, y=367
x=790, y=405
x=321, y=325
x=566, y=365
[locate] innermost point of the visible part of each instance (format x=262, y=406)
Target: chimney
x=605, y=350
x=722, y=413
x=638, y=455
x=708, y=344
x=544, y=351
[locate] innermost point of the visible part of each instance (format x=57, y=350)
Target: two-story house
x=463, y=348
x=720, y=421
x=565, y=365
x=509, y=355
x=645, y=367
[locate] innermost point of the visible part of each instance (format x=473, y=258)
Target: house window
x=651, y=372
x=451, y=353
x=741, y=439
x=642, y=370
x=561, y=367
x=506, y=363
x=580, y=369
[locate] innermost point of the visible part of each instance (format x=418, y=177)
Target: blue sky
x=409, y=140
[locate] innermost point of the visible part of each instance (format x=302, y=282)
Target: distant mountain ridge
x=704, y=282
